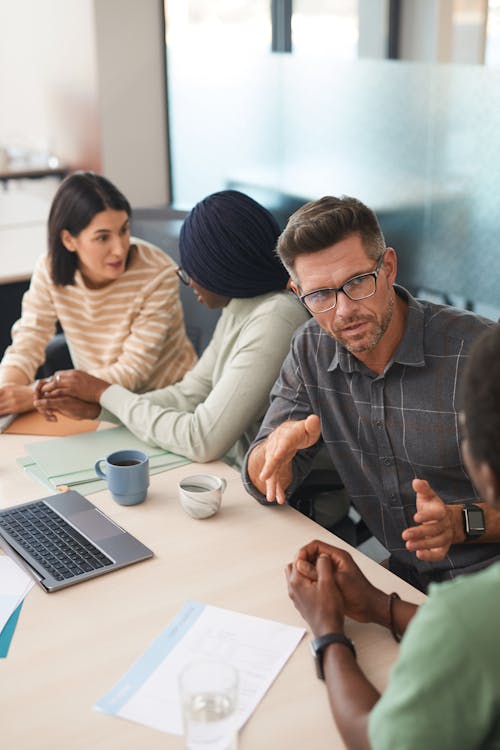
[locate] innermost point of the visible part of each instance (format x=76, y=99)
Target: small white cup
x=201, y=494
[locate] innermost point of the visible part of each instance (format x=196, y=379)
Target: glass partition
x=415, y=141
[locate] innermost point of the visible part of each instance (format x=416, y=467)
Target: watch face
x=475, y=520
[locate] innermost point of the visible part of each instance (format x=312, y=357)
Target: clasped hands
x=438, y=525
x=73, y=393
x=326, y=585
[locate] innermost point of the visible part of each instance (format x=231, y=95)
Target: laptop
x=64, y=539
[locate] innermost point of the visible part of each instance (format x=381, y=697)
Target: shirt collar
x=410, y=351
x=411, y=347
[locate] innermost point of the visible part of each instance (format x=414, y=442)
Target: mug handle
x=98, y=469
x=224, y=484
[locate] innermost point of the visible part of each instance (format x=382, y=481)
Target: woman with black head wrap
x=227, y=254
x=227, y=245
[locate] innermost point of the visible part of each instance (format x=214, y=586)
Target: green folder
x=70, y=460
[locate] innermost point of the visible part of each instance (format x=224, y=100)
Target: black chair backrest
x=161, y=227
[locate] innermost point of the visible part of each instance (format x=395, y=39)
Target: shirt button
x=379, y=424
x=387, y=461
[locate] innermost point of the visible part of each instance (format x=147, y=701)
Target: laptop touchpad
x=94, y=525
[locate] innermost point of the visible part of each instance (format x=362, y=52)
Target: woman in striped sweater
x=116, y=298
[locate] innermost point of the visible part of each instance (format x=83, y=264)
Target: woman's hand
x=74, y=383
x=68, y=406
x=15, y=398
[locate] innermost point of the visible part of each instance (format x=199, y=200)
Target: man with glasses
x=373, y=378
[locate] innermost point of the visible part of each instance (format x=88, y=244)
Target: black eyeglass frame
x=374, y=273
x=184, y=277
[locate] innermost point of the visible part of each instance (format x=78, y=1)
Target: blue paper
x=8, y=632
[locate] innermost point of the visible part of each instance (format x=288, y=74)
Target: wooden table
x=71, y=647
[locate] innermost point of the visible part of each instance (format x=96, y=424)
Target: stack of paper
x=14, y=585
x=69, y=461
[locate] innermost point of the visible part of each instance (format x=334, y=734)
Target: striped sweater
x=130, y=332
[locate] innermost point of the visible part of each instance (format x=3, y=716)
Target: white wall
x=85, y=79
x=48, y=78
x=132, y=106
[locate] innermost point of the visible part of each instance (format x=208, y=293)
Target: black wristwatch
x=473, y=521
x=319, y=644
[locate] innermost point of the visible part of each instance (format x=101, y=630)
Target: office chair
x=323, y=498
x=161, y=227
x=57, y=356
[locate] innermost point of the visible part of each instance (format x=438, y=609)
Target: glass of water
x=209, y=692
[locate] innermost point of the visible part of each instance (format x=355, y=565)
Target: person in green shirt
x=444, y=691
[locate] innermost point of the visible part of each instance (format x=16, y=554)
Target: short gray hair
x=324, y=222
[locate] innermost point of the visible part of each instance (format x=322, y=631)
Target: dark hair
x=322, y=223
x=481, y=399
x=227, y=244
x=79, y=198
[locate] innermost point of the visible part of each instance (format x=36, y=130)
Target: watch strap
x=319, y=644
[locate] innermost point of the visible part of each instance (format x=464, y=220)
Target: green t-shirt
x=444, y=690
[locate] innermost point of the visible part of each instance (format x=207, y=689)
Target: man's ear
x=68, y=240
x=391, y=265
x=294, y=288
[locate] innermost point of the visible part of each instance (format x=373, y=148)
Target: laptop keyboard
x=52, y=541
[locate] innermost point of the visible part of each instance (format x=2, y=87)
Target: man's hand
x=361, y=600
x=15, y=398
x=270, y=463
x=436, y=530
x=74, y=383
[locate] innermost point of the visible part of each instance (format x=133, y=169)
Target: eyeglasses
x=359, y=287
x=183, y=276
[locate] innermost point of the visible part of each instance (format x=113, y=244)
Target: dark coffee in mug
x=126, y=473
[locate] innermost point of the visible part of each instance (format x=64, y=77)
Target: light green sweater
x=215, y=410
x=444, y=691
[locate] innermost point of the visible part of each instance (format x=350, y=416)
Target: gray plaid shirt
x=382, y=431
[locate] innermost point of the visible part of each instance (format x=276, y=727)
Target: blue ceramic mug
x=127, y=475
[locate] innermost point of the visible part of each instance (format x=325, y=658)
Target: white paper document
x=258, y=648
x=14, y=585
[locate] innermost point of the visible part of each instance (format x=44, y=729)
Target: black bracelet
x=392, y=598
